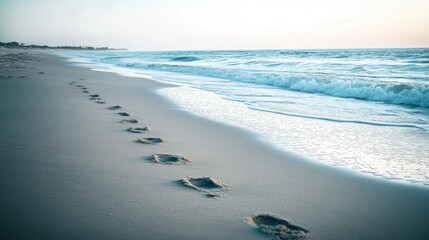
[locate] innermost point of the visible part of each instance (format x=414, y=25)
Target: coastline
x=76, y=173
x=374, y=138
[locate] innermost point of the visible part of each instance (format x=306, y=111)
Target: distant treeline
x=24, y=46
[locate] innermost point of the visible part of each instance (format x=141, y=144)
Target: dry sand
x=70, y=170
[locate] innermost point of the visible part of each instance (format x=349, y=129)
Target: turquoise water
x=365, y=109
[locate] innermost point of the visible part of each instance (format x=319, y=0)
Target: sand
x=167, y=159
x=70, y=170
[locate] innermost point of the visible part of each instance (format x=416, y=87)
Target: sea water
x=363, y=109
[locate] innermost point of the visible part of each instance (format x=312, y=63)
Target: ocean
x=364, y=110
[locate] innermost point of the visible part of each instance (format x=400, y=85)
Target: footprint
x=79, y=85
x=167, y=159
x=149, y=140
x=277, y=228
x=204, y=184
x=72, y=83
x=94, y=95
x=129, y=121
x=213, y=195
x=124, y=114
x=114, y=107
x=85, y=91
x=101, y=102
x=138, y=130
x=95, y=98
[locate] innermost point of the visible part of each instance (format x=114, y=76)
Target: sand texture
x=70, y=170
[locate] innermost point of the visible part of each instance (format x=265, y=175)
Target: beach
x=70, y=169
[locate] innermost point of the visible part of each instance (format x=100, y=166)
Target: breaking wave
x=408, y=93
x=184, y=59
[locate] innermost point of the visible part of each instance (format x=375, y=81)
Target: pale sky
x=217, y=24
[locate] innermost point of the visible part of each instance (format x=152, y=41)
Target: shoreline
x=94, y=175
x=178, y=96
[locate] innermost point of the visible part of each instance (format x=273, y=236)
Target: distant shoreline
x=17, y=45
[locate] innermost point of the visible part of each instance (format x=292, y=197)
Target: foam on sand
x=149, y=140
x=204, y=184
x=129, y=121
x=137, y=129
x=168, y=159
x=277, y=227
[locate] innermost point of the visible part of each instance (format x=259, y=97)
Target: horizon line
x=277, y=49
x=220, y=49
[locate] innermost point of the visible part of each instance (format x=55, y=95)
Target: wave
x=406, y=93
x=390, y=76
x=374, y=123
x=185, y=59
x=418, y=61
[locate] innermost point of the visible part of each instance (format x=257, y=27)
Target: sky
x=217, y=24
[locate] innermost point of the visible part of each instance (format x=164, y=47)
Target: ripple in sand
x=114, y=107
x=149, y=140
x=138, y=129
x=168, y=159
x=124, y=114
x=277, y=227
x=204, y=184
x=129, y=121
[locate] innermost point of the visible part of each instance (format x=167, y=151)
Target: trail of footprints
x=269, y=224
